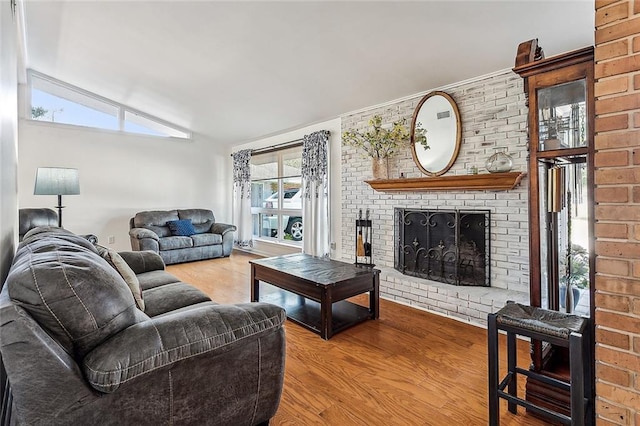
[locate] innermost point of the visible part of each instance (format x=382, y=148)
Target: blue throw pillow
x=182, y=228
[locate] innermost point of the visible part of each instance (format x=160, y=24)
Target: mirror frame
x=458, y=140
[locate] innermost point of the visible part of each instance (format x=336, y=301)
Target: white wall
x=8, y=137
x=121, y=174
x=335, y=190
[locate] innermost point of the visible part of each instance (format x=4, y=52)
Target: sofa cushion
x=125, y=271
x=197, y=215
x=173, y=296
x=203, y=227
x=161, y=231
x=156, y=221
x=155, y=278
x=60, y=234
x=201, y=219
x=181, y=228
x=172, y=243
x=73, y=293
x=206, y=239
x=169, y=339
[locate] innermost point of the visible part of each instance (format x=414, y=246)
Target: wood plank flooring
x=409, y=367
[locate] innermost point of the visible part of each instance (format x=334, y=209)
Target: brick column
x=617, y=179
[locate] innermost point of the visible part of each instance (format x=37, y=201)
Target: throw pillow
x=125, y=271
x=181, y=228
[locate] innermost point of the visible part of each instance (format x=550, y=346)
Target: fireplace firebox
x=450, y=246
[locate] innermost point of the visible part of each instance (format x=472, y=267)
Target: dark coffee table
x=313, y=290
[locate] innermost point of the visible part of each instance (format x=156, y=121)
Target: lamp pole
x=59, y=207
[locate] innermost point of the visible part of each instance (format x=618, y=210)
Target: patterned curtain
x=242, y=198
x=315, y=196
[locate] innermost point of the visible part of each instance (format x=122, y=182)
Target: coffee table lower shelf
x=306, y=312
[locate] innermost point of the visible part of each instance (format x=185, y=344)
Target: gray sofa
x=33, y=218
x=77, y=350
x=149, y=231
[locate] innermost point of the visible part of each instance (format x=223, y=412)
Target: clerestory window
x=58, y=102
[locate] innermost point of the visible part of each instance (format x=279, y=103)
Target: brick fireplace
x=493, y=114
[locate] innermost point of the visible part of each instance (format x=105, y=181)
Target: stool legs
x=576, y=336
x=587, y=367
x=494, y=416
x=576, y=360
x=512, y=387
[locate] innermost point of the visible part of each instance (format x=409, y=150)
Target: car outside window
x=276, y=196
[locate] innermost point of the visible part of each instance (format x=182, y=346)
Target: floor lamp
x=57, y=181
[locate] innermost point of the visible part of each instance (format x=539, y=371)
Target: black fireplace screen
x=450, y=246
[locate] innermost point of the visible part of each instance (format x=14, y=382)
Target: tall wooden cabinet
x=561, y=202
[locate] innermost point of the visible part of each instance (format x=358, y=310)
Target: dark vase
x=563, y=296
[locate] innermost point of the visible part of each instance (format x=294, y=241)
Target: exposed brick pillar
x=617, y=179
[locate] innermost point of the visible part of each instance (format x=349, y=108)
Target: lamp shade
x=56, y=181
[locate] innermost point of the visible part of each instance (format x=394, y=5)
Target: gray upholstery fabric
x=115, y=363
x=116, y=261
x=76, y=296
x=33, y=218
x=154, y=218
x=191, y=254
x=149, y=232
x=144, y=233
x=197, y=216
x=206, y=239
x=203, y=364
x=169, y=297
x=143, y=261
x=153, y=279
x=173, y=243
x=201, y=228
x=60, y=234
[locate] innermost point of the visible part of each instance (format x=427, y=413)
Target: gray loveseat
x=150, y=231
x=77, y=350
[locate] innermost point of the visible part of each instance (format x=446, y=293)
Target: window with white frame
x=58, y=102
x=276, y=203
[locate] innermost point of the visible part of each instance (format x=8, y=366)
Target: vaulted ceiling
x=237, y=71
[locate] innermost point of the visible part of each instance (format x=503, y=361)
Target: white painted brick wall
x=493, y=114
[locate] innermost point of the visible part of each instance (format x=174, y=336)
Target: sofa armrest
x=144, y=239
x=204, y=330
x=222, y=228
x=141, y=233
x=143, y=261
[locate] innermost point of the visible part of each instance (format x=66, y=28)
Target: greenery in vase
x=379, y=142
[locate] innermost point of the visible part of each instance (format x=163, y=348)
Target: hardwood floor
x=408, y=368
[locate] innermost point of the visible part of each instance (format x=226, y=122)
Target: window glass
x=564, y=235
x=292, y=162
x=264, y=166
x=58, y=102
x=276, y=197
x=291, y=193
x=562, y=116
x=264, y=193
x=137, y=123
x=48, y=107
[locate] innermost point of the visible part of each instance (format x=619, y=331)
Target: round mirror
x=436, y=133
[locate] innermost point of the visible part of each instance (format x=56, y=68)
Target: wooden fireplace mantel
x=483, y=181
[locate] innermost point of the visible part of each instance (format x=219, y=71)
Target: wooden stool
x=557, y=328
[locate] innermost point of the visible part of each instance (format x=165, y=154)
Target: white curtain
x=242, y=198
x=315, y=196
